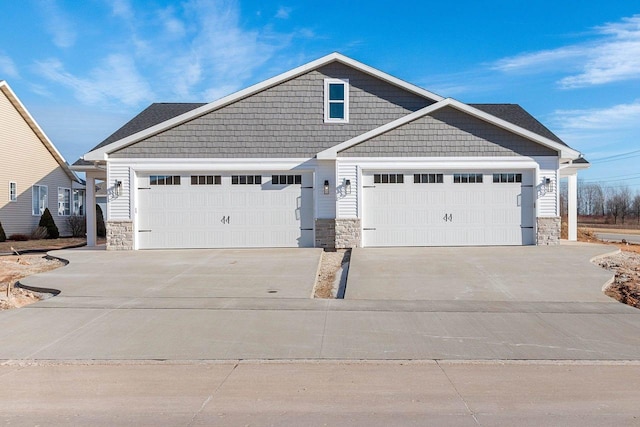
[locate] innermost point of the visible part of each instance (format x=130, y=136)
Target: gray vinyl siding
x=447, y=133
x=286, y=120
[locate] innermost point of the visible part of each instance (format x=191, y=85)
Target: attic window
x=336, y=101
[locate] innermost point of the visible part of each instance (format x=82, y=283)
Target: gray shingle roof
x=152, y=115
x=513, y=113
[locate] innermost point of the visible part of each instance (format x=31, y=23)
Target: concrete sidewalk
x=368, y=394
x=139, y=317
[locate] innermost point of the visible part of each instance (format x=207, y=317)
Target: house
x=33, y=173
x=332, y=154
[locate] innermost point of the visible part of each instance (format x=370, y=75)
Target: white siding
x=326, y=202
x=118, y=208
x=347, y=205
x=547, y=200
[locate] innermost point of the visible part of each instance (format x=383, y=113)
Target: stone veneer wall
x=548, y=230
x=326, y=233
x=119, y=235
x=348, y=233
x=338, y=233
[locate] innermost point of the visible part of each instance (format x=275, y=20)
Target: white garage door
x=429, y=208
x=208, y=210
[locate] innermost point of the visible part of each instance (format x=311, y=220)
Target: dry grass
x=47, y=244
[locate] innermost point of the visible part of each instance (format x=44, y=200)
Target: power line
x=612, y=178
x=617, y=157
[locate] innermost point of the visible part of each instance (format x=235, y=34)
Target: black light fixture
x=548, y=184
x=117, y=187
x=347, y=186
x=326, y=186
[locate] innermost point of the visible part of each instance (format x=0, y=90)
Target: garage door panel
x=225, y=214
x=447, y=213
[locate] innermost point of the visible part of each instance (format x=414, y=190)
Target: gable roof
x=565, y=151
x=101, y=151
x=37, y=130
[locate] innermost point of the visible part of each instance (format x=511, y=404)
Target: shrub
x=19, y=237
x=77, y=225
x=3, y=237
x=101, y=229
x=46, y=220
x=39, y=233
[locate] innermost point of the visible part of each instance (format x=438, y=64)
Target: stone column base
x=334, y=234
x=548, y=230
x=119, y=235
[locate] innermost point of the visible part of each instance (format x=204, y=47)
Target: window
x=64, y=201
x=286, y=179
x=246, y=179
x=388, y=178
x=507, y=177
x=464, y=178
x=38, y=199
x=336, y=101
x=78, y=202
x=13, y=191
x=428, y=178
x=164, y=180
x=206, y=179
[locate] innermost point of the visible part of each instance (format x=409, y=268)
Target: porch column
x=92, y=236
x=572, y=207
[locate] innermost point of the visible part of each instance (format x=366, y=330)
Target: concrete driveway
x=146, y=306
x=203, y=273
x=523, y=273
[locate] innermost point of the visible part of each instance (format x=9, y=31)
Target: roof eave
x=37, y=130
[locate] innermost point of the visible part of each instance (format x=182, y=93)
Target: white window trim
x=46, y=202
x=13, y=195
x=70, y=200
x=81, y=202
x=344, y=82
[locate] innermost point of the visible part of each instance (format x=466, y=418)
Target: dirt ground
x=626, y=285
x=329, y=266
x=13, y=268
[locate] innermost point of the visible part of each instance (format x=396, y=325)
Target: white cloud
x=283, y=12
x=114, y=78
x=621, y=116
x=613, y=56
x=7, y=67
x=58, y=24
x=122, y=9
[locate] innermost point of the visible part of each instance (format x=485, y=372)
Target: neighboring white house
x=33, y=173
x=332, y=154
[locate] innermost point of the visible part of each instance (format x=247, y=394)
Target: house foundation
x=548, y=230
x=119, y=235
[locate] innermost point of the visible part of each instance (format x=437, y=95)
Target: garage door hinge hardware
x=225, y=220
x=522, y=226
x=448, y=217
x=308, y=187
x=369, y=229
x=306, y=229
x=368, y=186
x=144, y=188
x=144, y=231
x=527, y=186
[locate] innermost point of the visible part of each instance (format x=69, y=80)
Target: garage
x=224, y=210
x=448, y=208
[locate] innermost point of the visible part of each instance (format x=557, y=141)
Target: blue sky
x=84, y=68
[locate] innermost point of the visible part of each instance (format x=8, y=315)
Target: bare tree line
x=618, y=203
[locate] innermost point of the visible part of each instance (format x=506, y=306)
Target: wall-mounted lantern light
x=326, y=186
x=347, y=186
x=117, y=187
x=548, y=185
